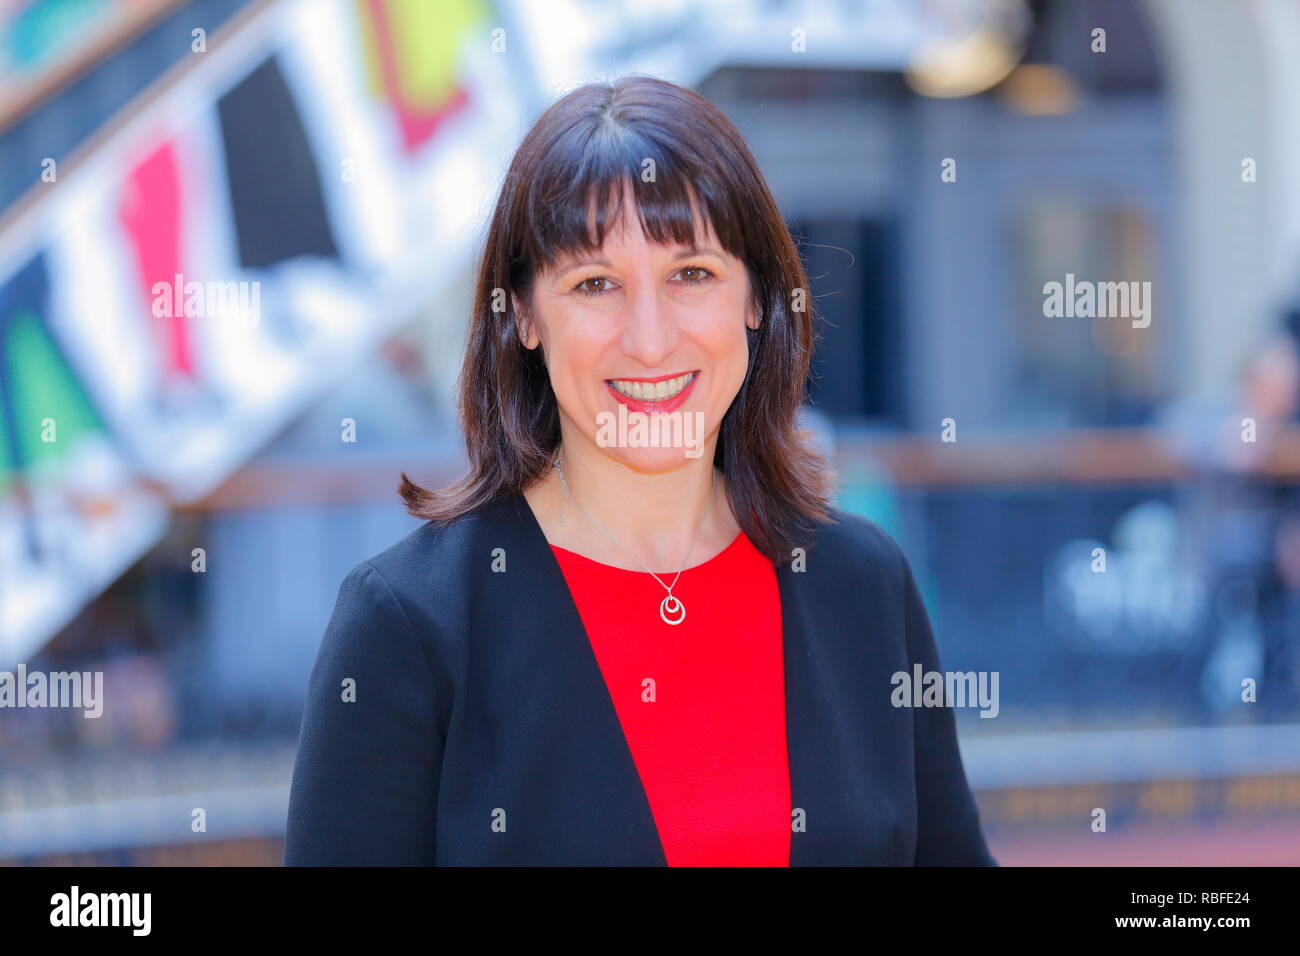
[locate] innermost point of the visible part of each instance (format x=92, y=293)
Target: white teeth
x=653, y=391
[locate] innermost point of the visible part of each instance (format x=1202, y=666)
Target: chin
x=653, y=442
x=656, y=460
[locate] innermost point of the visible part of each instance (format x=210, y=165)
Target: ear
x=752, y=318
x=523, y=325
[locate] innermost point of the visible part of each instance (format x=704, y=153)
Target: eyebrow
x=687, y=253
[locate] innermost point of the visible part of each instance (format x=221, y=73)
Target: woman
x=635, y=632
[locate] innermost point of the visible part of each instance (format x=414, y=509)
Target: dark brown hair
x=568, y=175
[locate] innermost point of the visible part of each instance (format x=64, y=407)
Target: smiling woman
x=635, y=242
x=598, y=652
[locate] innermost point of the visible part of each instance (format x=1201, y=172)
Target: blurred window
x=1085, y=370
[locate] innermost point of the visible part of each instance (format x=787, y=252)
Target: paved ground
x=1267, y=843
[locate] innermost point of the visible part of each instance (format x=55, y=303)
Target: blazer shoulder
x=433, y=553
x=856, y=537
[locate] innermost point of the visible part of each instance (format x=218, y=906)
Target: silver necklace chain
x=671, y=608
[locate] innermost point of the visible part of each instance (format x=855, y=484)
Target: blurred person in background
x=1234, y=512
x=603, y=649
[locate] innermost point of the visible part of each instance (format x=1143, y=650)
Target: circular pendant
x=672, y=610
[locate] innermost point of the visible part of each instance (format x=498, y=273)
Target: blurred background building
x=1114, y=529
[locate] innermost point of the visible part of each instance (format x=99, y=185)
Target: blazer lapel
x=849, y=748
x=809, y=729
x=592, y=752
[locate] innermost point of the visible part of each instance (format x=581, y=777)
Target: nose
x=649, y=327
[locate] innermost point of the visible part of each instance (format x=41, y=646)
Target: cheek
x=574, y=351
x=728, y=342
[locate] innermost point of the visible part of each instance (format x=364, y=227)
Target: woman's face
x=639, y=334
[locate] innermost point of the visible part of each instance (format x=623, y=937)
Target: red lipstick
x=650, y=406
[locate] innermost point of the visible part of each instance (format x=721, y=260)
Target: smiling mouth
x=660, y=390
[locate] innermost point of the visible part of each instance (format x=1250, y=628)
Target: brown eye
x=694, y=274
x=593, y=286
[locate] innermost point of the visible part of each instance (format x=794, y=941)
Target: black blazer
x=478, y=700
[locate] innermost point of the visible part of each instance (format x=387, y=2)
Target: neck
x=654, y=516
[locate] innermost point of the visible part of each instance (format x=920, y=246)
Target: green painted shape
x=44, y=387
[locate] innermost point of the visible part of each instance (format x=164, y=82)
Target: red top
x=701, y=703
